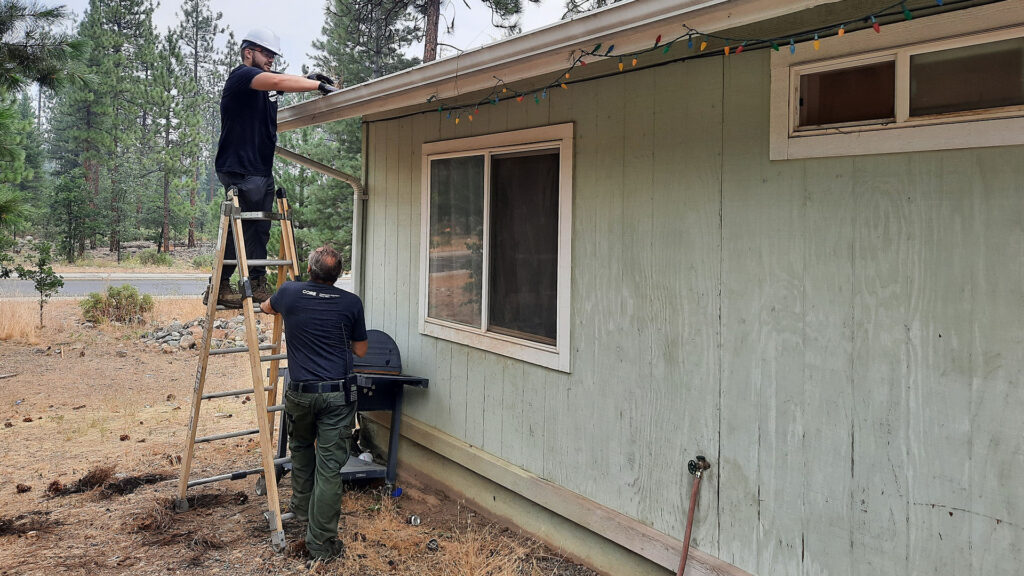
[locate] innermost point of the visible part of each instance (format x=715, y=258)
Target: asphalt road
x=77, y=285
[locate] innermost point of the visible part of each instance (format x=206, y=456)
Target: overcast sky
x=298, y=22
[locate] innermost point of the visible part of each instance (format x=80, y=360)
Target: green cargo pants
x=320, y=430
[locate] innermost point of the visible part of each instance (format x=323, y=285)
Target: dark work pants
x=320, y=430
x=255, y=194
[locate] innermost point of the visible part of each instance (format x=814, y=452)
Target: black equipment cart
x=380, y=385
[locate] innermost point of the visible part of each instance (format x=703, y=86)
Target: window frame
x=898, y=42
x=559, y=136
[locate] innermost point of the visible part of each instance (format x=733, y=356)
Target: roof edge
x=629, y=25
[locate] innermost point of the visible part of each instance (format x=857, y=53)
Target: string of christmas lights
x=696, y=42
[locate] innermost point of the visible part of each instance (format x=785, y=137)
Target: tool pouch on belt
x=350, y=388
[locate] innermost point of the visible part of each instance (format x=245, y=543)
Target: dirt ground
x=93, y=426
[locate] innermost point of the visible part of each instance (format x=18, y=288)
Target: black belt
x=346, y=385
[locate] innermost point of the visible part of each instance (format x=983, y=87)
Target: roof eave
x=628, y=25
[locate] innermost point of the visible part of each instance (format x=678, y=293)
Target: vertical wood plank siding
x=841, y=337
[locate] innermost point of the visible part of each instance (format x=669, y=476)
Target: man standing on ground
x=322, y=324
x=245, y=152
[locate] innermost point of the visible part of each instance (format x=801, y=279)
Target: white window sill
x=534, y=353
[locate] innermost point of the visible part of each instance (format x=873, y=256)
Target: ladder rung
x=249, y=432
x=252, y=263
x=275, y=408
x=273, y=357
x=233, y=393
x=236, y=475
x=255, y=308
x=238, y=349
x=259, y=216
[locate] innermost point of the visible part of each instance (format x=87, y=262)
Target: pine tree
x=197, y=32
x=364, y=40
x=77, y=141
x=172, y=104
x=69, y=213
x=370, y=17
x=122, y=38
x=30, y=50
x=80, y=125
x=24, y=177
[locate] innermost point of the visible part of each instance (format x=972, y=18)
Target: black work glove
x=320, y=78
x=325, y=88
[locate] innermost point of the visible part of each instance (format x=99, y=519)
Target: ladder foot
x=181, y=505
x=277, y=541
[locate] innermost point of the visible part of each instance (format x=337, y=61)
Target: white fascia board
x=629, y=26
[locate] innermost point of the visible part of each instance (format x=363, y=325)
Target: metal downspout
x=358, y=216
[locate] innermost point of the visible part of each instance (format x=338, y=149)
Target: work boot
x=226, y=295
x=329, y=551
x=260, y=290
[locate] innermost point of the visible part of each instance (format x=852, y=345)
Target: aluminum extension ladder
x=230, y=221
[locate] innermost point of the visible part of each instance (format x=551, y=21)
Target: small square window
x=849, y=95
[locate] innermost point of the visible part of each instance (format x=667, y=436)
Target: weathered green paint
x=840, y=337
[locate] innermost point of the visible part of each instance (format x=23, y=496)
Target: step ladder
x=264, y=392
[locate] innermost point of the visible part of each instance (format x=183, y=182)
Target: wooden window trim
x=994, y=127
x=559, y=136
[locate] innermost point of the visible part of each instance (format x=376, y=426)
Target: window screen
x=524, y=245
x=456, y=239
x=975, y=77
x=848, y=95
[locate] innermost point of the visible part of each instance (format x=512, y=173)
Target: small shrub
x=150, y=257
x=43, y=278
x=203, y=262
x=120, y=304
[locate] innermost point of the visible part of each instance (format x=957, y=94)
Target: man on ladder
x=245, y=152
x=322, y=325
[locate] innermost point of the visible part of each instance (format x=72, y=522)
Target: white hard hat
x=263, y=37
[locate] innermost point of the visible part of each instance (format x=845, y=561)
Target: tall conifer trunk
x=165, y=234
x=430, y=33
x=192, y=193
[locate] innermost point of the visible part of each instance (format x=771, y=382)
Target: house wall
x=840, y=337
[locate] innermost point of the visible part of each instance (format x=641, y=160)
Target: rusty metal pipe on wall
x=696, y=467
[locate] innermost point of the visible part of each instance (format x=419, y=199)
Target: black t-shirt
x=319, y=323
x=248, y=125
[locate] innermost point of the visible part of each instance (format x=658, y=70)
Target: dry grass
x=457, y=543
x=183, y=309
x=19, y=320
x=486, y=552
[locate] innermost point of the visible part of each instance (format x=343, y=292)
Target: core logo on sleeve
x=319, y=294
